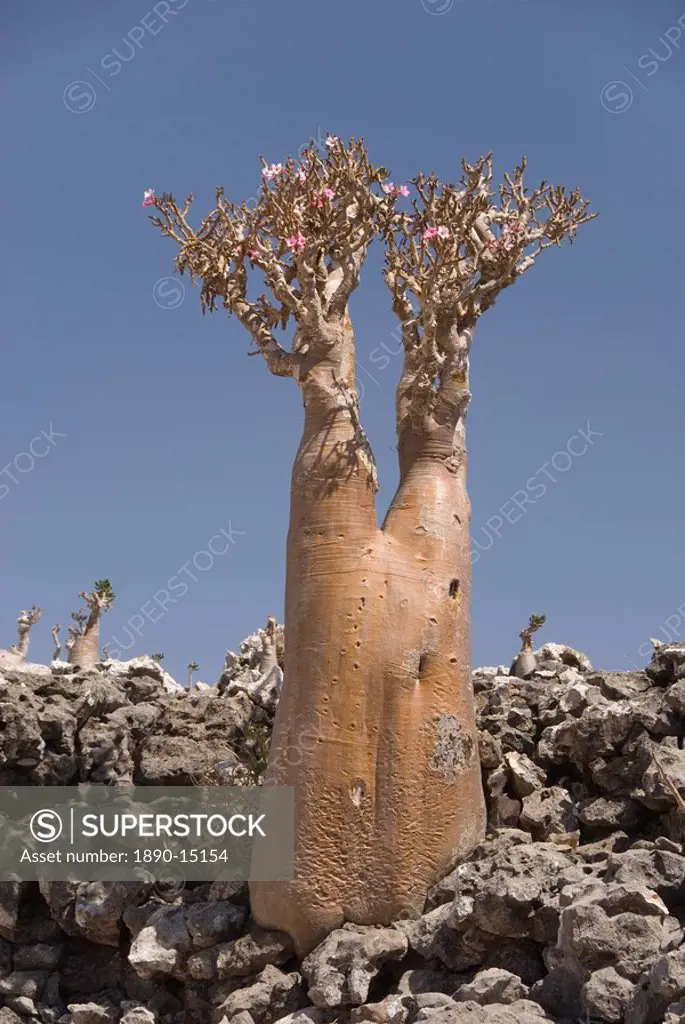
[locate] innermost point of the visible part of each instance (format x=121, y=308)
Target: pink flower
x=332, y=141
x=319, y=197
x=301, y=175
x=395, y=190
x=272, y=171
x=439, y=232
x=296, y=242
x=253, y=254
x=149, y=197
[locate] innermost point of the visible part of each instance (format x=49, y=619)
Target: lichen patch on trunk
x=453, y=748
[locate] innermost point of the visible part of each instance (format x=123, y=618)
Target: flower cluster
x=394, y=190
x=296, y=242
x=319, y=198
x=272, y=171
x=149, y=197
x=439, y=232
x=509, y=237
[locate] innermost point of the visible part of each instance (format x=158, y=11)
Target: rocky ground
x=573, y=909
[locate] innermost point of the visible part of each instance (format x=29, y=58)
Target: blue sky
x=162, y=432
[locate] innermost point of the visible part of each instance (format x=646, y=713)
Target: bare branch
x=307, y=236
x=452, y=259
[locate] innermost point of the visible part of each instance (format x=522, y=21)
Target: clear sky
x=164, y=433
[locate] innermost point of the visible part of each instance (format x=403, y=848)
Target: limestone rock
x=341, y=968
x=605, y=995
x=160, y=945
x=548, y=811
x=270, y=996
x=493, y=985
x=662, y=985
x=565, y=654
x=246, y=955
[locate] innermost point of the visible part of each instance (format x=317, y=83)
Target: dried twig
x=668, y=781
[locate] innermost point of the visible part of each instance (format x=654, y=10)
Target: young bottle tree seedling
x=54, y=633
x=376, y=617
x=26, y=620
x=524, y=665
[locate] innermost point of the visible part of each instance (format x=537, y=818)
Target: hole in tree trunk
x=454, y=588
x=357, y=792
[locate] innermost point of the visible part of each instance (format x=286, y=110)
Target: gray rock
x=310, y=1015
x=659, y=869
x=662, y=985
x=10, y=901
x=675, y=697
x=246, y=955
x=521, y=1012
x=437, y=936
x=8, y=1016
x=526, y=777
x=489, y=750
x=565, y=654
x=517, y=895
x=271, y=996
x=616, y=925
x=605, y=995
x=24, y=983
x=93, y=1013
x=547, y=812
x=41, y=956
x=603, y=813
x=667, y=664
x=22, y=1005
x=599, y=732
x=493, y=985
x=425, y=979
x=136, y=1014
x=402, y=1009
x=210, y=923
x=159, y=947
x=341, y=968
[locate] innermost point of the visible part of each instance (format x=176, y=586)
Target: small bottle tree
x=54, y=633
x=192, y=667
x=84, y=650
x=25, y=621
x=524, y=665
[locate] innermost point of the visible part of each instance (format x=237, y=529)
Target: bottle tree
x=84, y=643
x=376, y=617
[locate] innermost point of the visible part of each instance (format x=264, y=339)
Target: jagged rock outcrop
x=572, y=909
x=258, y=669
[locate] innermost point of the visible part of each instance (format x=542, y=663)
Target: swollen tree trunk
x=377, y=651
x=85, y=650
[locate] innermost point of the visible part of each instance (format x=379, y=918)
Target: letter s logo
x=46, y=826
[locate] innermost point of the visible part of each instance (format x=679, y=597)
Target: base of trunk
x=389, y=796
